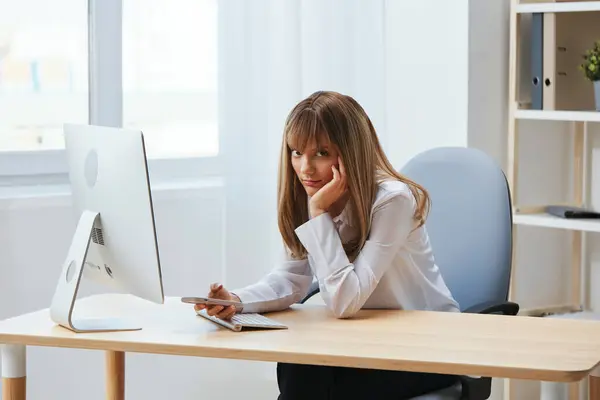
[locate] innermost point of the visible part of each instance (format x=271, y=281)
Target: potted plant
x=591, y=70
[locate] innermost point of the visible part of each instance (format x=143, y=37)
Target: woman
x=357, y=226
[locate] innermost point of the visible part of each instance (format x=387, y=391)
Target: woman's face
x=313, y=164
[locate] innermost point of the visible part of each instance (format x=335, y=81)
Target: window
x=170, y=75
x=43, y=72
x=71, y=62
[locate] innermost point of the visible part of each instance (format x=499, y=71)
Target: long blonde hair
x=345, y=124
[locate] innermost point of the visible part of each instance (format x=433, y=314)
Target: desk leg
x=594, y=384
x=115, y=375
x=14, y=372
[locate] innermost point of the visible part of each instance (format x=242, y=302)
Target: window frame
x=105, y=105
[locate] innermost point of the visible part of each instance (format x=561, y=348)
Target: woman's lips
x=311, y=183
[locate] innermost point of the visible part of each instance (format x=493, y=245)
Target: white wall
x=427, y=76
x=460, y=102
x=488, y=77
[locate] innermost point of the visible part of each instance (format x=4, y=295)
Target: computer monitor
x=114, y=243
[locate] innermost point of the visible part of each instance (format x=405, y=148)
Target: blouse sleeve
x=285, y=285
x=346, y=286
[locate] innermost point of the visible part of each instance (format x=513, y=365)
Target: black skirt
x=311, y=382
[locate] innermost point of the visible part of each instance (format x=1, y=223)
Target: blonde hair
x=344, y=123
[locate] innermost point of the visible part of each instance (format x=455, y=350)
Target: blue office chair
x=470, y=227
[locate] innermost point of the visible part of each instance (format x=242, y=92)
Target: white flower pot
x=597, y=94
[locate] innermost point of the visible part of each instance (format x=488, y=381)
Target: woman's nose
x=307, y=167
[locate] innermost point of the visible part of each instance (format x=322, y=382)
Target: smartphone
x=212, y=302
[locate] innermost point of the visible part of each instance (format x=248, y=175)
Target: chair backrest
x=470, y=221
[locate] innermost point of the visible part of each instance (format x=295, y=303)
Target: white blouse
x=394, y=270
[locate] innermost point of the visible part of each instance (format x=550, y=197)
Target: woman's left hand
x=330, y=193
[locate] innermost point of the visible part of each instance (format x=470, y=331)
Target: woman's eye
x=295, y=153
x=322, y=153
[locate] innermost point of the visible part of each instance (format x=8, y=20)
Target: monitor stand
x=61, y=309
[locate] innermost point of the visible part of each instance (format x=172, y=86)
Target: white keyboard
x=240, y=321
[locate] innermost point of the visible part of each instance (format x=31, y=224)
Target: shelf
x=571, y=6
x=580, y=315
x=549, y=115
x=549, y=311
x=550, y=221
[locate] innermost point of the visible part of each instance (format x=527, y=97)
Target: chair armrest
x=505, y=308
x=313, y=289
x=475, y=388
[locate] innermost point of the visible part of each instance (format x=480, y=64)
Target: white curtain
x=272, y=54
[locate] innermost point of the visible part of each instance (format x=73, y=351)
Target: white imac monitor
x=115, y=242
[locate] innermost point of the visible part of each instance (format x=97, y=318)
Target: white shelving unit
x=556, y=7
x=571, y=25
x=575, y=116
x=550, y=221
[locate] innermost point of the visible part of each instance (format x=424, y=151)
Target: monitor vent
x=97, y=236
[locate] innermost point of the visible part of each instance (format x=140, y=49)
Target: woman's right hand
x=217, y=291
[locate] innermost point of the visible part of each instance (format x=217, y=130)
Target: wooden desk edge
x=299, y=358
